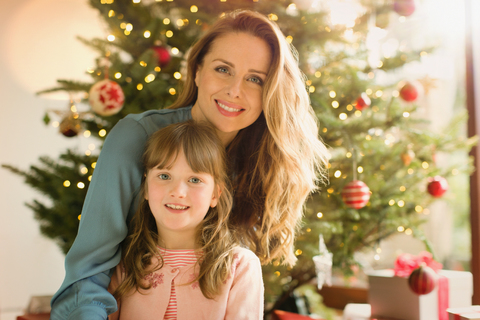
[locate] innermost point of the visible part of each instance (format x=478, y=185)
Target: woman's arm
x=110, y=199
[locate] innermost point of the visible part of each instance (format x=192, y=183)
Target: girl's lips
x=227, y=110
x=176, y=208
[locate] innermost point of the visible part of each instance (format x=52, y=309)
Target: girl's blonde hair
x=204, y=153
x=277, y=161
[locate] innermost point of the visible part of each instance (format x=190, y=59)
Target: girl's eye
x=164, y=176
x=195, y=180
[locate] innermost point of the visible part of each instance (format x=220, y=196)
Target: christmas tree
x=379, y=144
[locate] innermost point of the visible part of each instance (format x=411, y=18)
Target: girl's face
x=230, y=83
x=179, y=200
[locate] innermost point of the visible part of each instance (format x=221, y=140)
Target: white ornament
x=323, y=264
x=106, y=97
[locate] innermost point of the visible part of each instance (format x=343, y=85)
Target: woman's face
x=230, y=83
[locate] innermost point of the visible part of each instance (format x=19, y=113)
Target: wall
x=38, y=46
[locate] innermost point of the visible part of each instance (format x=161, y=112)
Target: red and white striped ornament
x=422, y=280
x=356, y=194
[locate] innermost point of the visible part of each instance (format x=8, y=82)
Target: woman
x=244, y=79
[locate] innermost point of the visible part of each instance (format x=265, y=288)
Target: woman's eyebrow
x=233, y=66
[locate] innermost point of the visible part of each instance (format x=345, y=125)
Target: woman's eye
x=164, y=176
x=222, y=69
x=256, y=80
x=195, y=180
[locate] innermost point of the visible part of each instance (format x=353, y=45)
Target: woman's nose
x=234, y=88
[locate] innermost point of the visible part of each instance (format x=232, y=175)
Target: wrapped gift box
x=472, y=312
x=390, y=296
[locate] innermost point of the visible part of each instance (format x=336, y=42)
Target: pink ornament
x=437, y=186
x=356, y=194
x=106, y=97
x=404, y=7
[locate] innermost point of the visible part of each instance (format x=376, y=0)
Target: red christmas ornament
x=437, y=186
x=404, y=7
x=163, y=55
x=362, y=102
x=106, y=97
x=422, y=280
x=356, y=194
x=69, y=126
x=409, y=92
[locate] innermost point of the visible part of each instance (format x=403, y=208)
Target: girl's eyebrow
x=233, y=66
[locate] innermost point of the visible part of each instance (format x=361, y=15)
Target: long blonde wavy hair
x=277, y=161
x=204, y=153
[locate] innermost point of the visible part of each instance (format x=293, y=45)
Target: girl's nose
x=178, y=190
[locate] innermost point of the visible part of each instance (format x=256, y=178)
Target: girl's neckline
x=161, y=249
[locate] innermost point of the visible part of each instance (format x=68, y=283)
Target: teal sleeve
x=110, y=199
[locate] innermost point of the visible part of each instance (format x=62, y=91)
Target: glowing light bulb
x=149, y=78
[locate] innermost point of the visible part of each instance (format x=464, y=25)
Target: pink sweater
x=241, y=297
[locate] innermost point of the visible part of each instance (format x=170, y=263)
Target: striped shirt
x=176, y=259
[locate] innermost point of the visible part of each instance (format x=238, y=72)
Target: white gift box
x=471, y=313
x=390, y=296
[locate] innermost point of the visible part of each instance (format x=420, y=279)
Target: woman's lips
x=227, y=109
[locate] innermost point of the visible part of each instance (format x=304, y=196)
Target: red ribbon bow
x=406, y=263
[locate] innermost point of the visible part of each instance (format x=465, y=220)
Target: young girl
x=243, y=78
x=180, y=260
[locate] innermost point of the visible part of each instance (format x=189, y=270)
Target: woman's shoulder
x=158, y=118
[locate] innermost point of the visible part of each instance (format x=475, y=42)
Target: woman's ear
x=197, y=80
x=215, y=197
